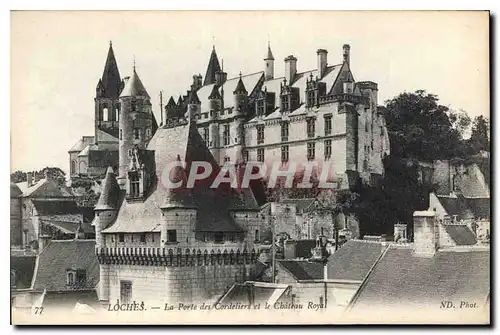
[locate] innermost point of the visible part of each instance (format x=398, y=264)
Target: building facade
x=321, y=115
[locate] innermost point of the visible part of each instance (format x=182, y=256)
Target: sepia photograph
x=250, y=167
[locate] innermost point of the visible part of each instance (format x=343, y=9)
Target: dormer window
x=260, y=134
x=134, y=184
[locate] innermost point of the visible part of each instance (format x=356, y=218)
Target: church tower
x=106, y=101
x=136, y=123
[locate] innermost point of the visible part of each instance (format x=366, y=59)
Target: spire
x=240, y=87
x=109, y=193
x=171, y=102
x=212, y=68
x=269, y=52
x=215, y=93
x=180, y=101
x=111, y=81
x=134, y=87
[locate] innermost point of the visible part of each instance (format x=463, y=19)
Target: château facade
x=321, y=115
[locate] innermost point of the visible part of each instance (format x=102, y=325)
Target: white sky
x=57, y=59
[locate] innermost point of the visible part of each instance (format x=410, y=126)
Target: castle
x=156, y=243
x=321, y=115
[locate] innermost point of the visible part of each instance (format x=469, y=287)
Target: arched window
x=105, y=114
x=71, y=278
x=83, y=167
x=73, y=167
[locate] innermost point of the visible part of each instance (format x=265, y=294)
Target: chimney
x=290, y=68
x=47, y=174
x=220, y=78
x=346, y=53
x=322, y=62
x=290, y=246
x=29, y=178
x=425, y=233
x=400, y=233
x=79, y=233
x=197, y=79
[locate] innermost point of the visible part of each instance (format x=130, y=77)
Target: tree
x=18, y=177
x=480, y=135
x=57, y=174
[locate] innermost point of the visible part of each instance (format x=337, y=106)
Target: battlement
x=174, y=257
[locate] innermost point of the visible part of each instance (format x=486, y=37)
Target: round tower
x=269, y=63
x=193, y=106
x=136, y=122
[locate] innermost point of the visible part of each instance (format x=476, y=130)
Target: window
x=206, y=136
x=130, y=152
x=73, y=167
x=321, y=302
x=70, y=278
x=121, y=134
x=121, y=237
x=218, y=238
x=134, y=184
x=311, y=150
x=311, y=127
x=226, y=135
x=81, y=276
x=328, y=125
x=125, y=291
x=257, y=235
x=328, y=149
x=310, y=98
x=171, y=236
x=284, y=153
x=148, y=132
x=12, y=277
x=137, y=134
x=143, y=237
x=284, y=131
x=260, y=134
x=285, y=103
x=105, y=114
x=245, y=155
x=152, y=237
x=260, y=107
x=227, y=159
x=260, y=155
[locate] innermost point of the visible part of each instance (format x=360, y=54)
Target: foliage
x=57, y=174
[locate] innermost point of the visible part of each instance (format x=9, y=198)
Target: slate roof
x=212, y=68
x=303, y=248
x=456, y=206
x=461, y=234
x=66, y=301
x=56, y=207
x=262, y=293
x=59, y=256
x=67, y=227
x=300, y=204
x=402, y=279
x=480, y=207
x=82, y=143
x=24, y=267
x=213, y=205
x=134, y=87
x=111, y=81
x=354, y=259
x=303, y=270
x=269, y=55
x=15, y=191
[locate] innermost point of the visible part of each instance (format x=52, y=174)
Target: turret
x=136, y=122
x=193, y=106
x=240, y=95
x=107, y=205
x=214, y=102
x=269, y=63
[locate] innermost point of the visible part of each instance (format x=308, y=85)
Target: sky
x=58, y=57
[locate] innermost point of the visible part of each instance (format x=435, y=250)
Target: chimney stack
x=346, y=53
x=322, y=62
x=79, y=233
x=220, y=78
x=425, y=233
x=47, y=174
x=290, y=69
x=29, y=178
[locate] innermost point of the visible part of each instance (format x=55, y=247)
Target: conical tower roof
x=269, y=55
x=240, y=87
x=111, y=81
x=109, y=192
x=171, y=102
x=215, y=93
x=193, y=98
x=134, y=87
x=212, y=68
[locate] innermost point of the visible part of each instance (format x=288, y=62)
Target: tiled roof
x=56, y=207
x=261, y=292
x=354, y=259
x=24, y=267
x=461, y=234
x=15, y=191
x=111, y=81
x=59, y=256
x=456, y=206
x=402, y=279
x=213, y=205
x=134, y=87
x=212, y=68
x=110, y=192
x=303, y=270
